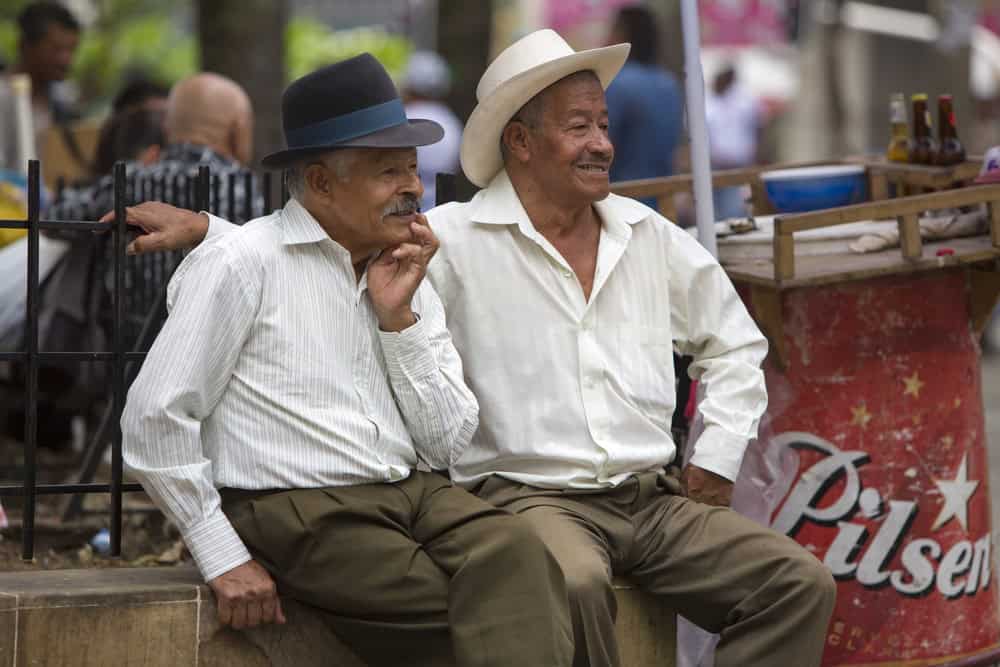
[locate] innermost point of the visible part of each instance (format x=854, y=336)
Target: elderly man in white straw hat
x=565, y=303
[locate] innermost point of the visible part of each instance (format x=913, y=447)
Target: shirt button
x=567, y=274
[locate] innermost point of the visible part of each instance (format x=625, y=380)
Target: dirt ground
x=147, y=538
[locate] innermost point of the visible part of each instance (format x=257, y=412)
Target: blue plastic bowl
x=814, y=188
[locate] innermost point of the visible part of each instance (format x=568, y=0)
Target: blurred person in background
x=140, y=93
x=425, y=85
x=208, y=121
x=734, y=119
x=48, y=38
x=645, y=106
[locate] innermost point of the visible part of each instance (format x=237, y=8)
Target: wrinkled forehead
x=578, y=88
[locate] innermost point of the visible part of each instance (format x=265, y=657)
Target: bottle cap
x=919, y=97
x=946, y=97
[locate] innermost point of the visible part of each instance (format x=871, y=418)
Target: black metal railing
x=131, y=307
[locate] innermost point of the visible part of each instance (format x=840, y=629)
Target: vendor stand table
x=875, y=399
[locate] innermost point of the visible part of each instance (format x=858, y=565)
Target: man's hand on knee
x=706, y=487
x=247, y=597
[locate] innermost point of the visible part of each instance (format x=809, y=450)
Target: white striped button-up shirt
x=270, y=372
x=579, y=393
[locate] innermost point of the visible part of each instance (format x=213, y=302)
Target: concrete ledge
x=166, y=617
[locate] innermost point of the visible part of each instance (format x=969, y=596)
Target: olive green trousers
x=415, y=573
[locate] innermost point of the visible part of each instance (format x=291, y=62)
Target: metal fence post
x=31, y=339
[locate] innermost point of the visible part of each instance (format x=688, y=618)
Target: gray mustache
x=403, y=206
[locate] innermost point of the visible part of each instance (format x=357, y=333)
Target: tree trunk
x=245, y=41
x=464, y=41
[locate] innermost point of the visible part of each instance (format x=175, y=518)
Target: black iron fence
x=129, y=306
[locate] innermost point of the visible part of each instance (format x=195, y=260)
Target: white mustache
x=401, y=207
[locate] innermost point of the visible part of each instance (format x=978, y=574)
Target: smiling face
x=365, y=198
x=568, y=152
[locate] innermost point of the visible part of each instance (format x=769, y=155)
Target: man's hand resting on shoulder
x=706, y=487
x=247, y=597
x=164, y=227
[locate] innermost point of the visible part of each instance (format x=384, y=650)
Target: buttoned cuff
x=719, y=451
x=408, y=353
x=215, y=546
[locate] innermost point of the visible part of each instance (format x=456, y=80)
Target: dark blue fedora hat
x=352, y=103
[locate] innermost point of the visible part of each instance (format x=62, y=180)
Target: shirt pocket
x=648, y=361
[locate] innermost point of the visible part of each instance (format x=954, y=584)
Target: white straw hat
x=523, y=70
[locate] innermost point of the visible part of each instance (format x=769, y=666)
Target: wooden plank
x=759, y=200
x=890, y=208
x=984, y=295
x=665, y=204
x=725, y=178
x=766, y=306
x=784, y=253
x=909, y=236
x=994, y=209
x=810, y=271
x=878, y=185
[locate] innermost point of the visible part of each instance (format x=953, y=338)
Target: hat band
x=349, y=126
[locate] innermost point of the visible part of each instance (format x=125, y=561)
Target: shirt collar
x=498, y=204
x=299, y=226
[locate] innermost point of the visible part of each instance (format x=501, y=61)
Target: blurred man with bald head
x=209, y=121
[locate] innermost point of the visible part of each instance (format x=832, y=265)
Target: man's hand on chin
x=246, y=596
x=395, y=275
x=706, y=487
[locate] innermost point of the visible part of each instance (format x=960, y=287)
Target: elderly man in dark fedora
x=565, y=302
x=302, y=374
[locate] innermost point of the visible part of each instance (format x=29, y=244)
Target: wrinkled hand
x=246, y=596
x=395, y=275
x=164, y=227
x=706, y=487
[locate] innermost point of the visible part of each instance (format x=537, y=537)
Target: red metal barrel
x=881, y=404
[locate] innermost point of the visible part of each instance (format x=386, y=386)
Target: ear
x=317, y=180
x=516, y=138
x=149, y=155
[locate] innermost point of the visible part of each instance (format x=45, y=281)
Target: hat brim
x=416, y=132
x=480, y=152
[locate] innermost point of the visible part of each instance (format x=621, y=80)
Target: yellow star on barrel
x=860, y=416
x=913, y=385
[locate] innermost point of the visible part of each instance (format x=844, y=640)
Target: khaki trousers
x=768, y=598
x=415, y=573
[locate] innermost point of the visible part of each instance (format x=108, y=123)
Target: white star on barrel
x=956, y=494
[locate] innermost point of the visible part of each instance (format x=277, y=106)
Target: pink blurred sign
x=742, y=22
x=564, y=15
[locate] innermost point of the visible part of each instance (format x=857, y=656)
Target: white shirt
x=577, y=393
x=733, y=120
x=580, y=394
x=270, y=372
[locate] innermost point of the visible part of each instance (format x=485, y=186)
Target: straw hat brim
x=480, y=152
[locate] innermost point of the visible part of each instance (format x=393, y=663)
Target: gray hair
x=340, y=160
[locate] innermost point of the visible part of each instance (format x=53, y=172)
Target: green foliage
x=146, y=36
x=311, y=44
x=151, y=44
